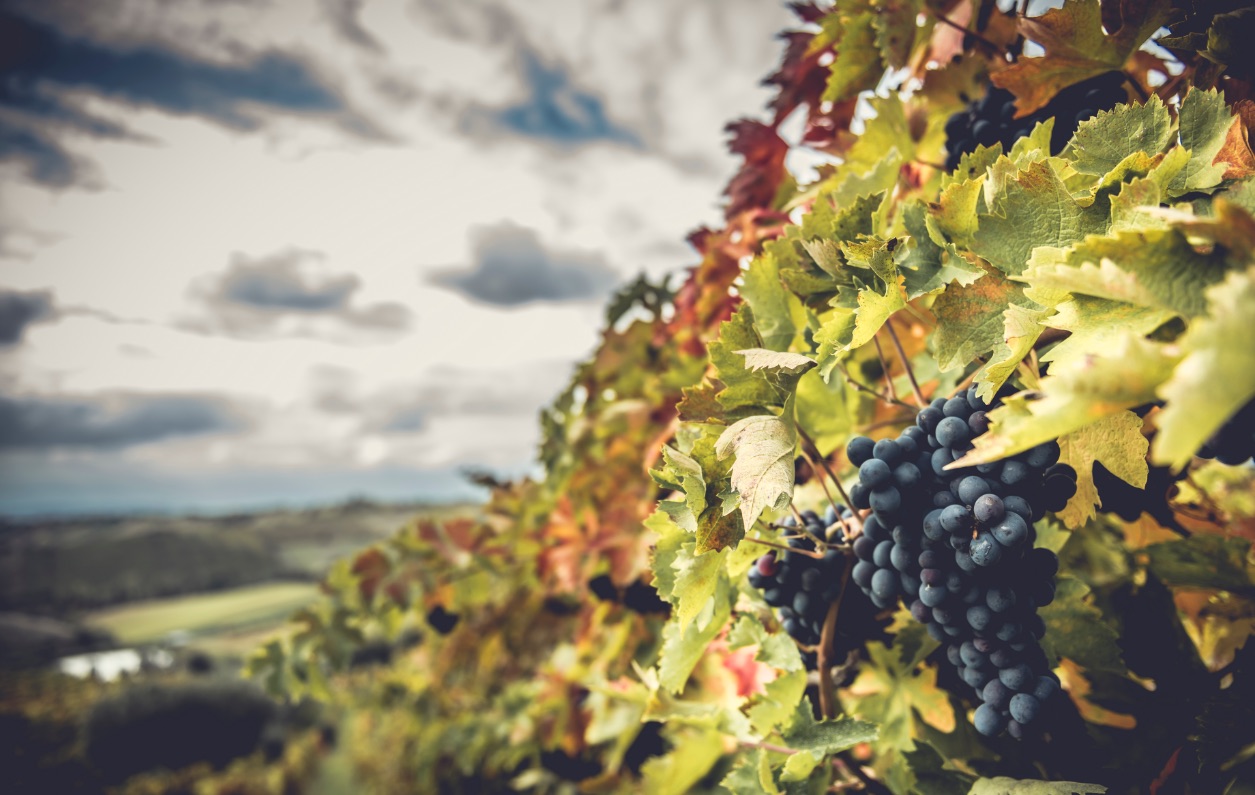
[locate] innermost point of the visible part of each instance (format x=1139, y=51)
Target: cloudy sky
x=268, y=252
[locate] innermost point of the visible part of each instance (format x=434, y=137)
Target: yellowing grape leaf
x=1076, y=48
x=970, y=319
x=762, y=473
x=1217, y=375
x=1117, y=442
x=1002, y=785
x=1095, y=323
x=896, y=693
x=1077, y=393
x=1022, y=326
x=762, y=359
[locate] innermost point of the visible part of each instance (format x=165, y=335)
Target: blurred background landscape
x=274, y=277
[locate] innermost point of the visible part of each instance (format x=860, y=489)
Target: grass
x=204, y=614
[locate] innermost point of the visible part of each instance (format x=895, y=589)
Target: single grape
x=887, y=450
x=1011, y=532
x=952, y=431
x=1024, y=707
x=874, y=473
x=985, y=551
x=971, y=488
x=988, y=509
x=859, y=450
x=988, y=720
x=996, y=694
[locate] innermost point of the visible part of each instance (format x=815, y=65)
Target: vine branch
x=906, y=364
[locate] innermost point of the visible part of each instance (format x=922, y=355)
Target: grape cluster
x=799, y=585
x=957, y=547
x=991, y=119
x=1234, y=443
x=803, y=587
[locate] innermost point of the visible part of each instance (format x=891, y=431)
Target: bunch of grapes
x=957, y=547
x=799, y=585
x=991, y=119
x=1234, y=443
x=802, y=587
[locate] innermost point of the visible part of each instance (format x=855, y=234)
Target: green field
x=254, y=606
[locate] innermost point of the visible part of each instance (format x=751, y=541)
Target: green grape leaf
x=871, y=166
x=892, y=691
x=1217, y=375
x=1075, y=629
x=682, y=473
x=857, y=66
x=827, y=411
x=764, y=447
x=874, y=310
x=762, y=359
x=833, y=340
x=1117, y=442
x=931, y=777
x=698, y=578
x=1203, y=561
x=928, y=267
x=953, y=218
x=799, y=766
x=774, y=708
x=752, y=773
x=1003, y=785
x=1205, y=120
x=683, y=648
x=677, y=772
x=970, y=319
x=1103, y=142
x=1034, y=208
x=778, y=650
x=827, y=736
x=1150, y=267
x=1075, y=394
x=743, y=388
x=1022, y=325
x=778, y=314
x=671, y=538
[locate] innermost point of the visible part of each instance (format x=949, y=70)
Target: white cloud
x=175, y=209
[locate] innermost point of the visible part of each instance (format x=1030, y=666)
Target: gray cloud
x=254, y=293
x=344, y=17
x=109, y=421
x=275, y=282
x=20, y=309
x=512, y=267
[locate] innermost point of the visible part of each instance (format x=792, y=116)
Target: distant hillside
x=57, y=566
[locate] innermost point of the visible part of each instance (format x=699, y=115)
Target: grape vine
x=929, y=506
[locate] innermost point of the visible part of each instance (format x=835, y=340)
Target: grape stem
x=1141, y=92
x=865, y=388
x=884, y=365
x=823, y=462
x=967, y=32
x=774, y=545
x=906, y=364
x=827, y=693
x=801, y=523
x=811, y=460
